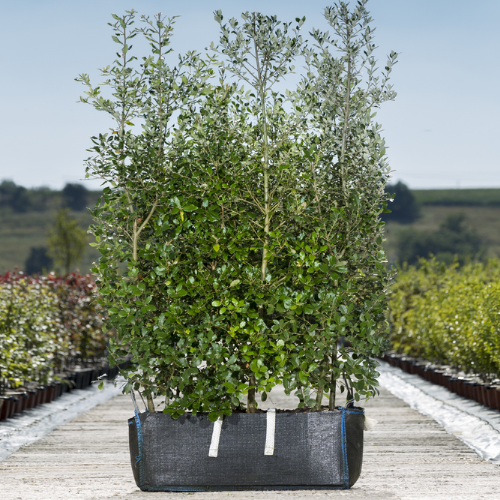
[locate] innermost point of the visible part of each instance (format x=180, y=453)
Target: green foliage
x=28, y=329
x=66, y=240
x=46, y=324
x=452, y=239
x=449, y=315
x=15, y=197
x=81, y=315
x=402, y=204
x=248, y=220
x=75, y=197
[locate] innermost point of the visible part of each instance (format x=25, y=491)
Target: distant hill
x=18, y=199
x=458, y=197
x=27, y=214
x=20, y=232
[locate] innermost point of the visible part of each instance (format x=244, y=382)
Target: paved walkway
x=407, y=456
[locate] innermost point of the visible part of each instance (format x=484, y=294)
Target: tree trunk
x=251, y=396
x=321, y=386
x=151, y=405
x=331, y=401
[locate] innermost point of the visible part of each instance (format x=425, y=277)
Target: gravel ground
x=407, y=456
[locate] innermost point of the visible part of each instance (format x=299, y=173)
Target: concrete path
x=29, y=426
x=407, y=456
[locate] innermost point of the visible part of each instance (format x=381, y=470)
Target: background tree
x=38, y=261
x=402, y=204
x=14, y=196
x=21, y=200
x=75, y=196
x=66, y=240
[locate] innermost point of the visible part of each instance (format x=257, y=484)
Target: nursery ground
x=407, y=456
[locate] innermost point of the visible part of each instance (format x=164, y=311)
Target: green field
x=458, y=197
x=21, y=231
x=484, y=219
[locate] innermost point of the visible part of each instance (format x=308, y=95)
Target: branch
x=137, y=232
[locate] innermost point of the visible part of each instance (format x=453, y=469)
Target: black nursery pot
x=59, y=389
x=4, y=407
x=316, y=450
x=69, y=382
x=80, y=379
x=32, y=398
x=41, y=394
x=15, y=406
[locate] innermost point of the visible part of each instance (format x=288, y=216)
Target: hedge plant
x=449, y=315
x=48, y=324
x=29, y=324
x=239, y=228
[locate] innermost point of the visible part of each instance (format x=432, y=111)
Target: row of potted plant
x=24, y=398
x=449, y=315
x=49, y=326
x=470, y=387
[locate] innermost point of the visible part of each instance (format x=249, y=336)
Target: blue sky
x=441, y=130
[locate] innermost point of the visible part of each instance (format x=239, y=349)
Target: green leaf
x=230, y=387
x=213, y=416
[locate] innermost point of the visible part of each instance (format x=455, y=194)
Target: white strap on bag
x=214, y=445
x=369, y=423
x=270, y=430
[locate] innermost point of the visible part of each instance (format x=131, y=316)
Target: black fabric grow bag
x=316, y=450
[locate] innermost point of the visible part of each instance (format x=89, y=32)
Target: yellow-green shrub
x=28, y=330
x=449, y=315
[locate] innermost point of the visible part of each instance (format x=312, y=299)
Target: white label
x=214, y=445
x=271, y=426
